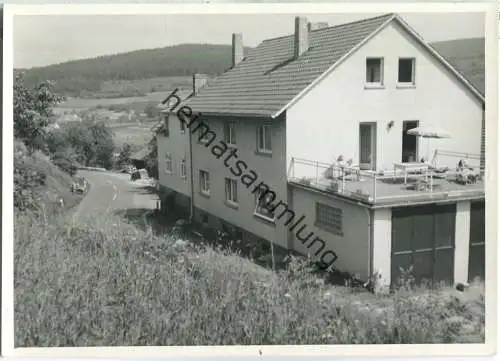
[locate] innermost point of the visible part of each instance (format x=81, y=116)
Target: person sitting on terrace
x=465, y=173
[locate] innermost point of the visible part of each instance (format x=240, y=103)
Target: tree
x=104, y=144
x=33, y=109
x=125, y=154
x=152, y=158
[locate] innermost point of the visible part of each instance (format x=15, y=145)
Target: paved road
x=110, y=192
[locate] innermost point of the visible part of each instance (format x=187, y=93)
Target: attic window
x=406, y=73
x=374, y=71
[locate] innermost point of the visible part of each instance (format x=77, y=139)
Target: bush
x=37, y=181
x=66, y=160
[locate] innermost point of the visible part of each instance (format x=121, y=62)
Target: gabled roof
x=467, y=56
x=269, y=80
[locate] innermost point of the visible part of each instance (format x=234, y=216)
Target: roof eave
x=233, y=114
x=438, y=56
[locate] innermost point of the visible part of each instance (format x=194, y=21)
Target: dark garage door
x=477, y=238
x=423, y=237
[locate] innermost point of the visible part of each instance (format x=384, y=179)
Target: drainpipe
x=191, y=181
x=369, y=213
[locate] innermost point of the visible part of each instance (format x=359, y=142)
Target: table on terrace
x=415, y=166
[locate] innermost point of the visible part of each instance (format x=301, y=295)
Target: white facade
x=325, y=122
x=176, y=147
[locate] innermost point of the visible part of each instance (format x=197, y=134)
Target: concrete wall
x=352, y=247
x=462, y=241
x=325, y=122
x=177, y=144
x=270, y=169
x=381, y=243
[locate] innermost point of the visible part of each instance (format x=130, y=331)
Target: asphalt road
x=110, y=192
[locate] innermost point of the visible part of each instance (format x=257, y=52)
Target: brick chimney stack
x=301, y=36
x=237, y=49
x=317, y=26
x=199, y=80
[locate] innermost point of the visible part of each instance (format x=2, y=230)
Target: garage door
x=477, y=240
x=423, y=237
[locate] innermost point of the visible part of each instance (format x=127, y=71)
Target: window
x=329, y=218
x=183, y=168
x=231, y=190
x=204, y=218
x=165, y=125
x=263, y=202
x=264, y=139
x=204, y=182
x=374, y=71
x=168, y=163
x=229, y=133
x=406, y=73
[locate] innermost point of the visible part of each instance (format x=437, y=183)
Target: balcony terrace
x=406, y=183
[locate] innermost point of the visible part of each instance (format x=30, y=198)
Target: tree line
x=76, y=77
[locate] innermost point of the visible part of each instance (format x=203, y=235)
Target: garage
x=477, y=241
x=423, y=237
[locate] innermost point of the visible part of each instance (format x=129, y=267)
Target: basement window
x=329, y=218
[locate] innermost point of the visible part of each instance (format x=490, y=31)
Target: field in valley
x=137, y=135
x=132, y=132
x=89, y=103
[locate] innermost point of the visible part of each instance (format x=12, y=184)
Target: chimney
x=301, y=36
x=199, y=81
x=317, y=26
x=237, y=49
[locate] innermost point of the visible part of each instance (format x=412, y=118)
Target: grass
x=109, y=283
x=56, y=184
x=135, y=135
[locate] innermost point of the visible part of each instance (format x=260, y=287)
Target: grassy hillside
x=39, y=184
x=108, y=283
x=92, y=75
x=467, y=56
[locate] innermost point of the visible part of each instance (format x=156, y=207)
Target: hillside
x=73, y=77
x=467, y=56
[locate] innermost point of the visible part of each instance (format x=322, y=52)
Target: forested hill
x=181, y=60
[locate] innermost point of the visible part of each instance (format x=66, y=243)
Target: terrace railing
x=373, y=187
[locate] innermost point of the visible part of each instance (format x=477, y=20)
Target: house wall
x=462, y=240
x=270, y=169
x=177, y=144
x=352, y=247
x=382, y=244
x=325, y=122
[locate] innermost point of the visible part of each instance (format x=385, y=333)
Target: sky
x=48, y=39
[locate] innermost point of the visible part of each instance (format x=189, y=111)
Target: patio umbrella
x=429, y=131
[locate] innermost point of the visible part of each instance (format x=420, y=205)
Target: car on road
x=129, y=169
x=79, y=185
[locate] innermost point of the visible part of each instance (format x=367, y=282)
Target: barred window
x=329, y=218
